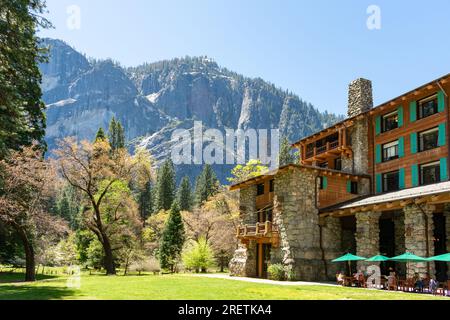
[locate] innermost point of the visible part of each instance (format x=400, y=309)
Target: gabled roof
x=320, y=171
x=405, y=194
x=341, y=123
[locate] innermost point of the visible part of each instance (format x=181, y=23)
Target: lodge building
x=375, y=183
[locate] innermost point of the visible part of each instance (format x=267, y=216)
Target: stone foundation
x=367, y=236
x=331, y=244
x=243, y=263
x=415, y=238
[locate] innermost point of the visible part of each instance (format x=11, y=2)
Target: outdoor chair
x=392, y=283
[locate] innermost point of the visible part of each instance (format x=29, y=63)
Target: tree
x=184, y=196
x=285, y=156
x=206, y=185
x=28, y=183
x=116, y=135
x=165, y=186
x=102, y=178
x=198, y=256
x=252, y=169
x=100, y=136
x=22, y=118
x=172, y=240
x=142, y=183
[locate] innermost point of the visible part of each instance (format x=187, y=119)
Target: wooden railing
x=258, y=230
x=322, y=149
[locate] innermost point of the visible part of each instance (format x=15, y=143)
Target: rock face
x=153, y=100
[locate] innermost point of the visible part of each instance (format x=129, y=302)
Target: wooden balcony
x=265, y=232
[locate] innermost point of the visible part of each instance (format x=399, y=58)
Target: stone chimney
x=360, y=97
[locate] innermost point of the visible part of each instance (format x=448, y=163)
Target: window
x=390, y=151
x=354, y=187
x=322, y=183
x=260, y=189
x=338, y=164
x=323, y=164
x=427, y=106
x=390, y=121
x=272, y=185
x=430, y=173
x=391, y=181
x=429, y=139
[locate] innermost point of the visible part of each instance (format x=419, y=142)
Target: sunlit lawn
x=179, y=287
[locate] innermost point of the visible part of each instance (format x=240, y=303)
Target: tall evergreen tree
x=184, y=196
x=285, y=156
x=100, y=136
x=116, y=135
x=206, y=185
x=172, y=240
x=165, y=186
x=22, y=118
x=146, y=201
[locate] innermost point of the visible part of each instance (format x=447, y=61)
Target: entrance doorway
x=263, y=259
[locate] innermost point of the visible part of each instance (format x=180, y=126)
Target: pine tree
x=172, y=240
x=184, y=196
x=146, y=201
x=165, y=186
x=206, y=185
x=100, y=136
x=116, y=135
x=22, y=118
x=285, y=156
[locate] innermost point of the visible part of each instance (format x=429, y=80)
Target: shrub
x=277, y=272
x=148, y=265
x=198, y=256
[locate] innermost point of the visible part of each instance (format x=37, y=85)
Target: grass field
x=178, y=287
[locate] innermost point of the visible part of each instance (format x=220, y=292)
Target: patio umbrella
x=408, y=257
x=349, y=258
x=443, y=257
x=378, y=258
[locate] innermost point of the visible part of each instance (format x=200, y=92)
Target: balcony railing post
x=245, y=230
x=257, y=228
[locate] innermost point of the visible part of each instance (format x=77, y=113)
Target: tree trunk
x=30, y=263
x=109, y=259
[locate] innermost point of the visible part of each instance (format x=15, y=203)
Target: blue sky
x=313, y=48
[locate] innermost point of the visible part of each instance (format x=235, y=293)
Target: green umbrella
x=408, y=257
x=348, y=258
x=442, y=257
x=378, y=258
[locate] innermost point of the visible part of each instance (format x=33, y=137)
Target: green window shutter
x=413, y=111
x=377, y=125
x=349, y=186
x=415, y=175
x=441, y=101
x=378, y=153
x=378, y=183
x=413, y=142
x=442, y=133
x=401, y=147
x=443, y=169
x=400, y=116
x=401, y=178
x=325, y=182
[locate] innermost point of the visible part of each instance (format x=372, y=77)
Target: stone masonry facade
x=367, y=236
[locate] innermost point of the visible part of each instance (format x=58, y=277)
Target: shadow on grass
x=13, y=277
x=30, y=292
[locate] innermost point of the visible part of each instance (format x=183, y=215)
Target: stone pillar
x=331, y=244
x=360, y=97
x=415, y=237
x=297, y=219
x=399, y=233
x=367, y=236
x=244, y=262
x=447, y=234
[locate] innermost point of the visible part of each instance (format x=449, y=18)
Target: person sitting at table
x=392, y=281
x=418, y=283
x=359, y=277
x=340, y=278
x=426, y=280
x=434, y=285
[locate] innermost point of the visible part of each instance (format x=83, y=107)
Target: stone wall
x=297, y=218
x=415, y=237
x=447, y=233
x=399, y=234
x=243, y=262
x=331, y=244
x=367, y=236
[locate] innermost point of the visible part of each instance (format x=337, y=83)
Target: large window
x=427, y=107
x=354, y=187
x=430, y=173
x=391, y=181
x=390, y=121
x=428, y=139
x=390, y=151
x=338, y=164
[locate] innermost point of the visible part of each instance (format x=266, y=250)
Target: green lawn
x=179, y=287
